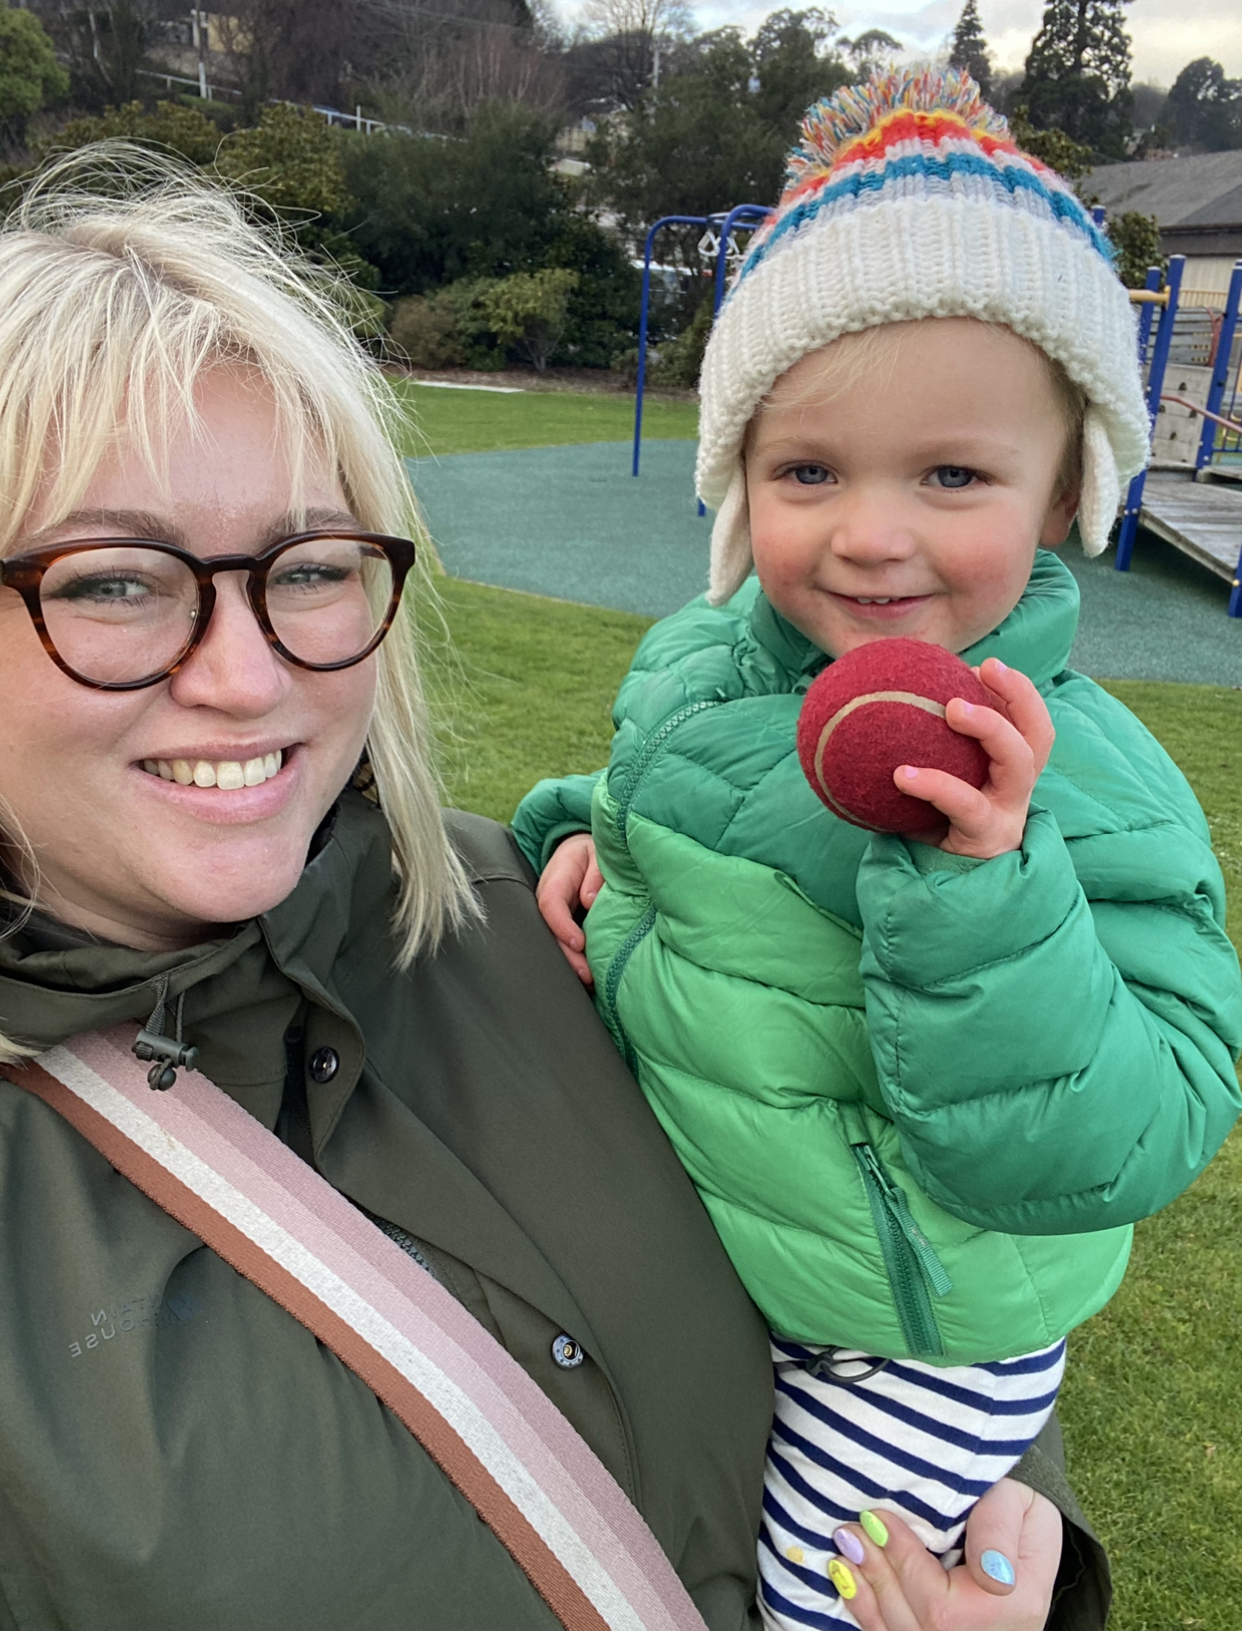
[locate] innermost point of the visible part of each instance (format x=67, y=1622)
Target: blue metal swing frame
x=749, y=215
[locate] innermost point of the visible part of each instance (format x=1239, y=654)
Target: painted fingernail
x=873, y=1528
x=849, y=1545
x=998, y=1567
x=842, y=1579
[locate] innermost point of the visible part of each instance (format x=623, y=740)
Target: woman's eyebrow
x=309, y=520
x=123, y=523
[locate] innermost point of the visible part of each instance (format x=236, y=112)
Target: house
x=1198, y=203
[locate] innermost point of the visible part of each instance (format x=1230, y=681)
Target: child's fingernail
x=873, y=1528
x=849, y=1545
x=1002, y=668
x=967, y=707
x=998, y=1567
x=907, y=772
x=842, y=1579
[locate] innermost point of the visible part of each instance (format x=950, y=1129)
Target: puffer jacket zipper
x=915, y=1273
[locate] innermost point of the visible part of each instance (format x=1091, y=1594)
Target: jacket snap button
x=567, y=1353
x=324, y=1064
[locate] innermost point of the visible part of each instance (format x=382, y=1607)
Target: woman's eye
x=953, y=475
x=810, y=475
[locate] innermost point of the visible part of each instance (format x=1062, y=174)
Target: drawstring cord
x=168, y=1053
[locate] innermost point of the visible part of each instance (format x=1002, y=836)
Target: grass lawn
x=1151, y=1402
x=451, y=421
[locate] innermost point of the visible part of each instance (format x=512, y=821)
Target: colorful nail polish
x=842, y=1579
x=998, y=1567
x=849, y=1545
x=874, y=1529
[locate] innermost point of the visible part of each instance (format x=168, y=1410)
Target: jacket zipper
x=651, y=747
x=616, y=967
x=915, y=1273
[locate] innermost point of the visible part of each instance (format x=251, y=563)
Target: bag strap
x=495, y=1434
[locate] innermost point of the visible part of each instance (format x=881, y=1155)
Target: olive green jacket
x=176, y=1450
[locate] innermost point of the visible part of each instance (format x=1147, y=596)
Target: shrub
x=527, y=312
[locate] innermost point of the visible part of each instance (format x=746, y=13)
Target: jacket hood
x=241, y=991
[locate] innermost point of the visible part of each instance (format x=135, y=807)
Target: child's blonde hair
x=124, y=278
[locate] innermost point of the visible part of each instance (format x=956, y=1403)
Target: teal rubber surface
x=571, y=522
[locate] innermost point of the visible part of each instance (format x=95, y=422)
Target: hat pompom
x=857, y=112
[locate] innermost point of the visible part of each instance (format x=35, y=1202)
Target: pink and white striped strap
x=536, y=1483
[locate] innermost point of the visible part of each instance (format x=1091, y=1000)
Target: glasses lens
x=121, y=613
x=328, y=597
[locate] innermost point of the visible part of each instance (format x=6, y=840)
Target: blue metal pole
x=1097, y=214
x=749, y=215
x=1235, y=599
x=1220, y=369
x=1155, y=384
x=664, y=221
x=1146, y=313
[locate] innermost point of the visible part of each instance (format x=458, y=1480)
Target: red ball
x=880, y=706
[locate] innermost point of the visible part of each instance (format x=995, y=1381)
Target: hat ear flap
x=1101, y=484
x=731, y=556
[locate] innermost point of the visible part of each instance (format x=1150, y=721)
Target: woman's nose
x=233, y=669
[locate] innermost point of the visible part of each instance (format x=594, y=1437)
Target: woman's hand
x=1017, y=735
x=569, y=884
x=900, y=1586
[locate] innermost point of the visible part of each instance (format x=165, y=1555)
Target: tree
x=30, y=75
x=795, y=65
x=627, y=39
x=1203, y=108
x=870, y=51
x=1054, y=148
x=1078, y=74
x=970, y=49
x=1136, y=238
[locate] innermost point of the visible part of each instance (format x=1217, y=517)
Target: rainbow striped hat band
x=907, y=198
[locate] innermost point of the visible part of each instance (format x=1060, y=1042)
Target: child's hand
x=570, y=881
x=1017, y=734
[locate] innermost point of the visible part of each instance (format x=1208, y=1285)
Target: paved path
x=571, y=522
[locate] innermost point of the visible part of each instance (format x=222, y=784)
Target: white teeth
x=875, y=600
x=227, y=774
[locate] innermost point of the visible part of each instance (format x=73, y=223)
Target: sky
x=1166, y=34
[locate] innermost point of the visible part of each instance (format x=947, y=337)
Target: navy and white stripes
x=919, y=1440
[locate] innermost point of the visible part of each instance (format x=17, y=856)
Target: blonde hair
x=124, y=277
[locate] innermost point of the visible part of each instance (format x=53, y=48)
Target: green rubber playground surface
x=571, y=522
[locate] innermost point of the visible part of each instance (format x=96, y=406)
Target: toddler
x=924, y=1089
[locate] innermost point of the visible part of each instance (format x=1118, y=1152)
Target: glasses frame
x=24, y=573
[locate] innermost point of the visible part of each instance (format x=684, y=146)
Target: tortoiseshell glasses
x=118, y=614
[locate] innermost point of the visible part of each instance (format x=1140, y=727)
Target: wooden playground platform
x=1201, y=518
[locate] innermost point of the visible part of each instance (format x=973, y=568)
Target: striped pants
x=920, y=1440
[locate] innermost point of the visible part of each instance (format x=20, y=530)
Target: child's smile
x=900, y=482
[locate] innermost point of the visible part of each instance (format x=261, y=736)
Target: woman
x=195, y=461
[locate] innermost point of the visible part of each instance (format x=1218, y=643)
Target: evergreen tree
x=1205, y=108
x=1078, y=74
x=970, y=49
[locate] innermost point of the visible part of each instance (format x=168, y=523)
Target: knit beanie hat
x=907, y=198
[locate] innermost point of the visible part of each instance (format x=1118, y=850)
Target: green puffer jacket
x=923, y=1098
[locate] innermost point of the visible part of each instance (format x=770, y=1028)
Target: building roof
x=1204, y=191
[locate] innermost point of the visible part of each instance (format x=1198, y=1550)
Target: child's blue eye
x=810, y=475
x=953, y=475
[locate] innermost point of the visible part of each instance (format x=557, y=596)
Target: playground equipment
x=1191, y=503
x=724, y=225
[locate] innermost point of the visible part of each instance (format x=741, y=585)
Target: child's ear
x=1060, y=516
